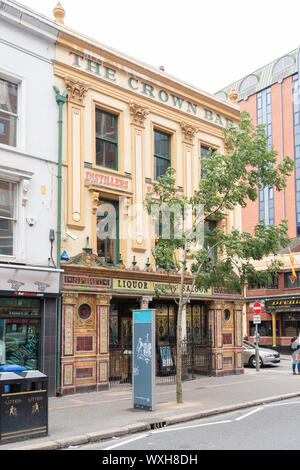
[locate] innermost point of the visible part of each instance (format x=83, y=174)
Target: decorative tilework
x=103, y=371
x=83, y=373
x=85, y=343
x=68, y=375
x=68, y=333
x=103, y=329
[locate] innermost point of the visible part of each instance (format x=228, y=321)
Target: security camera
x=31, y=221
x=71, y=235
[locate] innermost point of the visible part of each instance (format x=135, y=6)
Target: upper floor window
x=248, y=82
x=106, y=139
x=290, y=282
x=7, y=218
x=108, y=232
x=162, y=153
x=8, y=112
x=205, y=152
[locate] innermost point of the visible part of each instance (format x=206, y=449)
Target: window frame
x=158, y=156
x=18, y=81
x=101, y=214
x=13, y=219
x=106, y=140
x=22, y=182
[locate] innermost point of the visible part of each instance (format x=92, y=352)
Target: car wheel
x=252, y=362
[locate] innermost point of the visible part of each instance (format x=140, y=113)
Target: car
x=266, y=355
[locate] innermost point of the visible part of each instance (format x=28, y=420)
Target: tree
x=228, y=180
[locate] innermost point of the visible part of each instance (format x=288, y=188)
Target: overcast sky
x=208, y=43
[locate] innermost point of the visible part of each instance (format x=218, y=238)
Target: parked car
x=266, y=355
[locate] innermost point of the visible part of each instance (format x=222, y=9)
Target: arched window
x=248, y=82
x=283, y=63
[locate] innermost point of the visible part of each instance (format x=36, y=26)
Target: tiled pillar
x=102, y=308
x=215, y=327
x=238, y=337
x=67, y=342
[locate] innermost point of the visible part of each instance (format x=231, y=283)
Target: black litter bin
x=23, y=406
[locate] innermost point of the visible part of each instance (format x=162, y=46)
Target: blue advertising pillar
x=143, y=355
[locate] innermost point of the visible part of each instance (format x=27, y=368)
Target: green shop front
x=28, y=319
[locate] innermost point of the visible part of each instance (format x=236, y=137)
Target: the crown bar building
x=123, y=124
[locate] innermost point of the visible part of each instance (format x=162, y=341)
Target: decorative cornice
x=188, y=132
x=138, y=113
x=76, y=89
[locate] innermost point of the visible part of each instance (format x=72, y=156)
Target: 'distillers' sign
x=143, y=359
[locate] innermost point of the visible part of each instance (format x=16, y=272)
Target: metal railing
x=196, y=360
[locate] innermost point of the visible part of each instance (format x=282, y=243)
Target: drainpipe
x=61, y=100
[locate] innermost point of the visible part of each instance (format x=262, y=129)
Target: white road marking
x=248, y=414
x=127, y=442
x=283, y=404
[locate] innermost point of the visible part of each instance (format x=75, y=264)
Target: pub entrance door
x=120, y=344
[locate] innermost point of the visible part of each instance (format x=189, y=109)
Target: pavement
x=79, y=419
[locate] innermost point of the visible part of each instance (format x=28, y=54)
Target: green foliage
x=228, y=180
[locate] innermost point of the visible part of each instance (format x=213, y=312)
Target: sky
x=207, y=43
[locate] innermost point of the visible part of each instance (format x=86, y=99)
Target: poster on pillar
x=143, y=356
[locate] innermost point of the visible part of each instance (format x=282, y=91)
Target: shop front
x=98, y=302
x=28, y=319
x=286, y=312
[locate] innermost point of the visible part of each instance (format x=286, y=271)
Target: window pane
x=8, y=96
x=107, y=232
x=106, y=126
x=162, y=144
x=19, y=342
x=106, y=154
x=160, y=167
x=7, y=199
x=6, y=237
x=8, y=129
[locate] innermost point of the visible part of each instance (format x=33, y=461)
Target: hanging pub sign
x=143, y=359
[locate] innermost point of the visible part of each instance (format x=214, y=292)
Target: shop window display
x=20, y=332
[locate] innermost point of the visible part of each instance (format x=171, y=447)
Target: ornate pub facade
x=123, y=124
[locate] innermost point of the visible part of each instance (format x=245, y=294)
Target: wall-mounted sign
x=282, y=304
x=106, y=180
x=143, y=355
x=86, y=282
x=145, y=87
x=16, y=279
x=150, y=287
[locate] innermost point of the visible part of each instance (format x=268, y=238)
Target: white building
x=29, y=278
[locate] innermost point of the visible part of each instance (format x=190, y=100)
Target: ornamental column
x=238, y=337
x=140, y=220
x=68, y=339
x=76, y=109
x=102, y=341
x=215, y=310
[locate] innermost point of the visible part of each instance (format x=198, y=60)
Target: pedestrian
x=295, y=347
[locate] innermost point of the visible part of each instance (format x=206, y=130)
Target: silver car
x=266, y=355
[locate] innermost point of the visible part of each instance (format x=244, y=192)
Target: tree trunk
x=178, y=356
